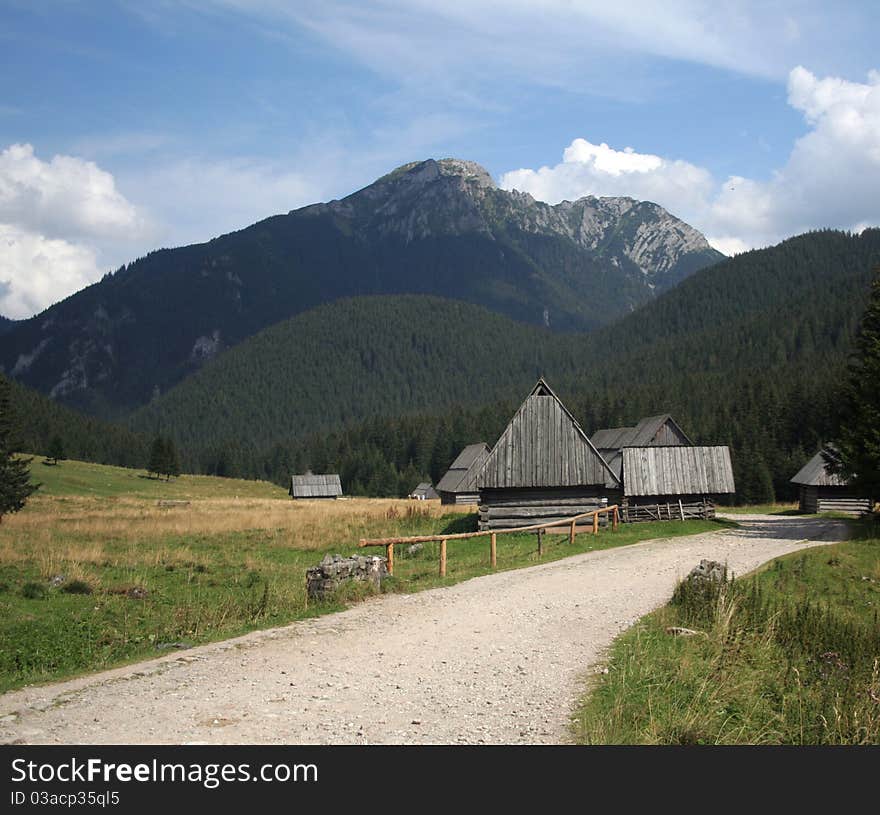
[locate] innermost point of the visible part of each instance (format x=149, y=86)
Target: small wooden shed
x=823, y=491
x=459, y=484
x=310, y=486
x=650, y=431
x=424, y=492
x=673, y=483
x=543, y=467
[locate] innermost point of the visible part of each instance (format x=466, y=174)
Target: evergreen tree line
x=385, y=391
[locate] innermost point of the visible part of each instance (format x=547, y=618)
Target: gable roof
x=461, y=475
x=315, y=486
x=814, y=474
x=677, y=470
x=425, y=489
x=544, y=446
x=648, y=431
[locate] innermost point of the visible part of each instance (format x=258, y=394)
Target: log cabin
x=459, y=485
x=823, y=491
x=543, y=468
x=310, y=486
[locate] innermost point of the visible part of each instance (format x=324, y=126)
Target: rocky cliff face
x=456, y=197
x=430, y=227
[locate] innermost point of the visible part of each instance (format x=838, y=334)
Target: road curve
x=497, y=659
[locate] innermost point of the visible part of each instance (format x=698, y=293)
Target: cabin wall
x=808, y=501
x=841, y=499
x=460, y=498
x=666, y=508
x=510, y=507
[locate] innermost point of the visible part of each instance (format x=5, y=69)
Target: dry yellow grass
x=57, y=530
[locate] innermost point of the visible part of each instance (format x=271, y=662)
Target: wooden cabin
x=311, y=486
x=424, y=492
x=823, y=491
x=459, y=484
x=675, y=482
x=649, y=432
x=543, y=467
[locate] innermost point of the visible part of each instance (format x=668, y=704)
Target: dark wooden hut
x=650, y=431
x=424, y=492
x=674, y=482
x=543, y=467
x=824, y=491
x=310, y=485
x=459, y=484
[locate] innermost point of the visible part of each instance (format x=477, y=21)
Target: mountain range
x=439, y=228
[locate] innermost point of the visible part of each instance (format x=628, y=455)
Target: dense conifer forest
x=751, y=352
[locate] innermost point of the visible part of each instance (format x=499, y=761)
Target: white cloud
x=65, y=197
x=56, y=218
x=590, y=169
x=36, y=271
x=830, y=179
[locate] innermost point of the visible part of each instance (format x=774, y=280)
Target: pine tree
x=857, y=455
x=170, y=460
x=15, y=483
x=56, y=450
x=157, y=457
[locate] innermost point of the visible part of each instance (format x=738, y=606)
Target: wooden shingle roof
x=677, y=470
x=315, y=486
x=544, y=446
x=815, y=474
x=461, y=475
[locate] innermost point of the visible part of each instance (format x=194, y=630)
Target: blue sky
x=125, y=126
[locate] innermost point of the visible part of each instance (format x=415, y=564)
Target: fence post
x=389, y=558
x=615, y=519
x=442, y=557
x=541, y=542
x=596, y=522
x=493, y=551
x=571, y=533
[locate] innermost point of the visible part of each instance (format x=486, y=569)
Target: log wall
x=507, y=508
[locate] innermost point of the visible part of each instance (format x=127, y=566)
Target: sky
x=130, y=125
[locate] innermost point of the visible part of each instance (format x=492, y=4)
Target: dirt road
x=497, y=659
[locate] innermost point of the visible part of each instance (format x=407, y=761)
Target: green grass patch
x=762, y=509
x=82, y=478
x=167, y=592
x=789, y=655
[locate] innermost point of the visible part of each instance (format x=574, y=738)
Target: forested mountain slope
x=37, y=420
x=432, y=227
x=748, y=353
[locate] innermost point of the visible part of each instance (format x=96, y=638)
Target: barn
x=543, y=467
x=650, y=431
x=674, y=482
x=310, y=485
x=424, y=492
x=662, y=473
x=822, y=491
x=459, y=485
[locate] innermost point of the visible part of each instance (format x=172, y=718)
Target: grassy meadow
x=96, y=572
x=789, y=655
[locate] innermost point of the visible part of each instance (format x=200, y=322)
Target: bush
x=33, y=591
x=77, y=587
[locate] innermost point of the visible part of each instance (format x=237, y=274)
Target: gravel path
x=496, y=659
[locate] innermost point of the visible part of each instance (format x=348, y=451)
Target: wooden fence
x=569, y=525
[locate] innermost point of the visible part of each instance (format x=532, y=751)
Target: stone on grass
x=334, y=570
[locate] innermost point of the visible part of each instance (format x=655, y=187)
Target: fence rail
x=539, y=529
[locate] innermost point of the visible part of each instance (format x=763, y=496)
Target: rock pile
x=334, y=570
